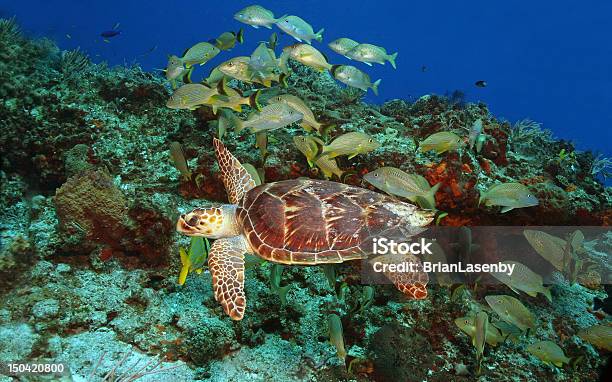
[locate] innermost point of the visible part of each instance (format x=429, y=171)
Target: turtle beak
x=186, y=223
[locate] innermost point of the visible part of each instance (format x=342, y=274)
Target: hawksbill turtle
x=296, y=222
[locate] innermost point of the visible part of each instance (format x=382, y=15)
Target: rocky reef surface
x=89, y=255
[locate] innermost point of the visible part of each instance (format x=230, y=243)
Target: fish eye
x=370, y=140
x=286, y=21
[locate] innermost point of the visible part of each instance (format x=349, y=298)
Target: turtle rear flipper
x=226, y=265
x=235, y=177
x=411, y=283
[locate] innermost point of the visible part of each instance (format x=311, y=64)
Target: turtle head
x=213, y=222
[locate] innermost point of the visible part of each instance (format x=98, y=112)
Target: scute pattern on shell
x=307, y=221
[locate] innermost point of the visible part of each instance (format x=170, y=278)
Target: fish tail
x=306, y=127
x=222, y=86
x=392, y=58
x=319, y=35
x=325, y=129
x=240, y=36
x=430, y=197
x=375, y=86
x=282, y=293
x=282, y=79
x=187, y=76
x=482, y=198
x=546, y=292
x=333, y=69
x=185, y=264
x=238, y=125
x=254, y=100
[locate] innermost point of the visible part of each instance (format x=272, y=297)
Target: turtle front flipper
x=226, y=265
x=236, y=178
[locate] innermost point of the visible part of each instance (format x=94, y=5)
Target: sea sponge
x=91, y=205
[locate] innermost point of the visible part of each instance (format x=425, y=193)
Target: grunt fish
x=309, y=122
x=335, y=334
x=270, y=118
x=227, y=40
x=256, y=16
x=176, y=69
x=194, y=259
x=273, y=41
x=481, y=327
x=512, y=311
x=548, y=352
x=200, y=53
x=550, y=247
x=441, y=142
x=299, y=29
x=598, y=335
x=262, y=63
x=509, y=196
x=240, y=69
x=353, y=77
x=368, y=53
x=475, y=132
x=178, y=157
x=190, y=96
x=351, y=144
x=237, y=67
x=309, y=146
x=342, y=45
x=467, y=325
x=523, y=279
x=410, y=186
x=307, y=55
x=214, y=77
x=232, y=102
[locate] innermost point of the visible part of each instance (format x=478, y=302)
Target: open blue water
x=547, y=60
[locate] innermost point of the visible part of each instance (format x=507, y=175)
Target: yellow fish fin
x=186, y=263
x=306, y=126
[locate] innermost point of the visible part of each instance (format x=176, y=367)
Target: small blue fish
x=110, y=34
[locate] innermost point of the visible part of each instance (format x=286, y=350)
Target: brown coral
x=91, y=205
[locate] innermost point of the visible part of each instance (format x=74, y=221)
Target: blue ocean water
x=547, y=60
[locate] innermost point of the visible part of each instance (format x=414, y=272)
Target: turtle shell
x=307, y=221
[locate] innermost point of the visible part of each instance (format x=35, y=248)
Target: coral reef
x=89, y=257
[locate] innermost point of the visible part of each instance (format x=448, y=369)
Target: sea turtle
x=298, y=222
